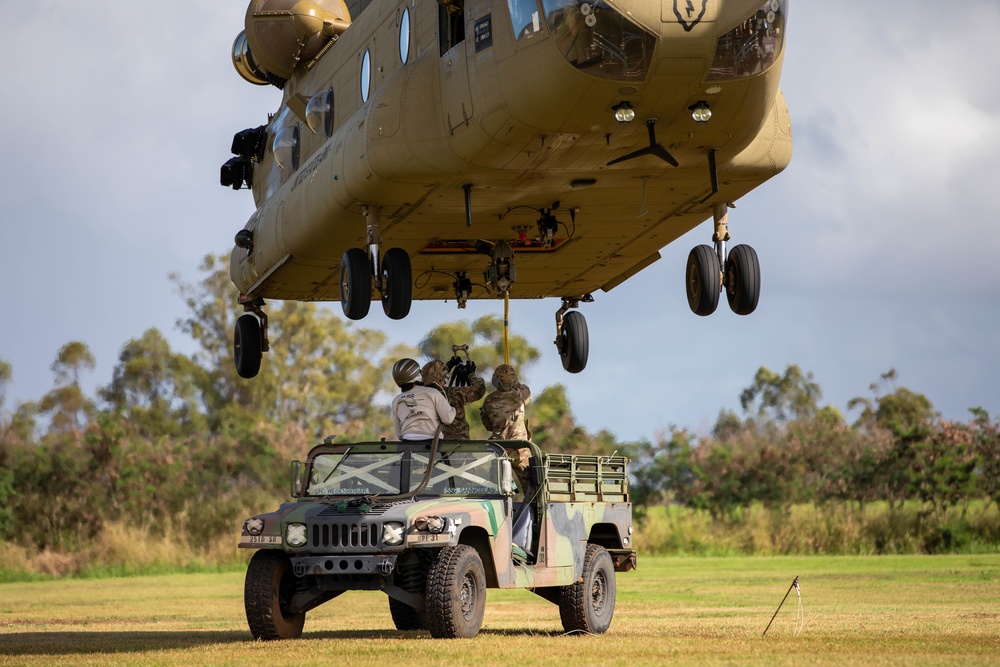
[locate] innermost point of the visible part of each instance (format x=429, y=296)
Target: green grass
x=888, y=610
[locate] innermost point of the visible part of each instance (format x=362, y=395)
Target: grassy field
x=890, y=610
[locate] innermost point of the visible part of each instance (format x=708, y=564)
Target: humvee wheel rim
x=468, y=596
x=598, y=594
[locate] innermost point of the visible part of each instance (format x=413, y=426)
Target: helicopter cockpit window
x=752, y=46
x=599, y=40
x=524, y=18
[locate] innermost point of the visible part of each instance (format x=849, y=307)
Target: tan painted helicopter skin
x=521, y=123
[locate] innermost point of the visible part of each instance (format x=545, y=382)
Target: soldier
x=417, y=411
x=503, y=415
x=503, y=410
x=434, y=374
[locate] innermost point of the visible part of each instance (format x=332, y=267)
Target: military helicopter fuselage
x=483, y=148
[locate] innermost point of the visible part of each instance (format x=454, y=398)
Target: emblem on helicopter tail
x=688, y=14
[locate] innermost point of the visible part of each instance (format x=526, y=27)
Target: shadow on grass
x=74, y=643
x=424, y=634
x=82, y=643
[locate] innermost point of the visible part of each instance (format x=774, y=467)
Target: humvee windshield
x=397, y=468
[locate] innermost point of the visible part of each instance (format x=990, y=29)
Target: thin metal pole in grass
x=795, y=585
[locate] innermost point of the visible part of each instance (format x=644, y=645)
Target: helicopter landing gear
x=361, y=273
x=250, y=338
x=572, y=336
x=709, y=271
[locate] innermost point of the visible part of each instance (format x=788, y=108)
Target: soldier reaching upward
x=503, y=410
x=503, y=416
x=467, y=387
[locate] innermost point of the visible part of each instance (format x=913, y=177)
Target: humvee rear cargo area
x=433, y=525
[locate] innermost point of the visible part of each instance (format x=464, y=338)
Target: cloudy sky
x=879, y=245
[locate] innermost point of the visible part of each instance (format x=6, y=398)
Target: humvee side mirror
x=506, y=478
x=298, y=484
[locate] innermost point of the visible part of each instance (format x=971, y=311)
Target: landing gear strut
x=361, y=273
x=572, y=336
x=709, y=270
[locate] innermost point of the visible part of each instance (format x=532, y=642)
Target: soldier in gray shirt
x=417, y=411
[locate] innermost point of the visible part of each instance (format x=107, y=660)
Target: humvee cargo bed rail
x=585, y=478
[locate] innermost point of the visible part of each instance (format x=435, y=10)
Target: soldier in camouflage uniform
x=503, y=415
x=503, y=410
x=434, y=374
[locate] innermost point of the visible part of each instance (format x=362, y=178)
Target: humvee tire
x=268, y=589
x=456, y=593
x=405, y=617
x=588, y=605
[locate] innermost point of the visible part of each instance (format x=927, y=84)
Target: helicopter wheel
x=247, y=349
x=703, y=280
x=742, y=279
x=355, y=284
x=574, y=345
x=397, y=285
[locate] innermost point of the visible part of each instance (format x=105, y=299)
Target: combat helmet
x=504, y=377
x=405, y=371
x=434, y=372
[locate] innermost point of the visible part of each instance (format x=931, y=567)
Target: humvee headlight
x=432, y=524
x=295, y=534
x=392, y=533
x=253, y=526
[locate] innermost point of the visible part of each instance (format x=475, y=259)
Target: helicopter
x=516, y=149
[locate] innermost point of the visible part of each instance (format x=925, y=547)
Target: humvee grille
x=345, y=535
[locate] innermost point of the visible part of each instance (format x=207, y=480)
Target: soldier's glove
x=460, y=376
x=453, y=362
x=470, y=368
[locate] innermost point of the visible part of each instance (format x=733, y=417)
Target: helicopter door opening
x=456, y=98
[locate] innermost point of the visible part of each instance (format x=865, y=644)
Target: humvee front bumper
x=343, y=564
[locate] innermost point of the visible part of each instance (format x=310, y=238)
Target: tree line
x=178, y=443
x=928, y=474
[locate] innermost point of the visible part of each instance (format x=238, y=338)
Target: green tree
x=6, y=475
x=153, y=388
x=325, y=374
x=944, y=464
x=665, y=469
x=210, y=321
x=553, y=426
x=67, y=404
x=6, y=375
x=987, y=443
x=793, y=395
x=908, y=417
x=321, y=372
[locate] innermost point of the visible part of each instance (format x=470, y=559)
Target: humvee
x=433, y=524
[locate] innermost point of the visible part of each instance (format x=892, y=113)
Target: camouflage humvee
x=376, y=516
